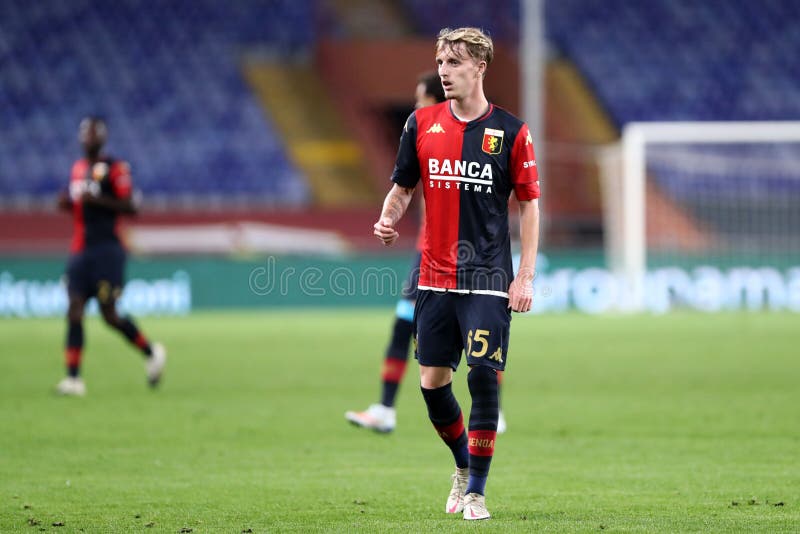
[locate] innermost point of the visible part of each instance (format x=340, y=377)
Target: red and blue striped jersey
x=95, y=225
x=468, y=171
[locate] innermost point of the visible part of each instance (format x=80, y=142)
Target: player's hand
x=520, y=294
x=64, y=202
x=384, y=230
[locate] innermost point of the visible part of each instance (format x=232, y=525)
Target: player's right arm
x=64, y=203
x=67, y=197
x=405, y=176
x=394, y=206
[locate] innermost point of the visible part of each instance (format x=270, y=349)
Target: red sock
x=72, y=357
x=141, y=342
x=393, y=370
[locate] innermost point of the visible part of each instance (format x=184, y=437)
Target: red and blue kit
x=96, y=266
x=468, y=171
x=95, y=225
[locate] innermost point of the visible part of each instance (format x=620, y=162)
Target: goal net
x=704, y=215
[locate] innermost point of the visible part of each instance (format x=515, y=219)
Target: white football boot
x=455, y=501
x=71, y=386
x=377, y=417
x=501, y=423
x=475, y=507
x=154, y=365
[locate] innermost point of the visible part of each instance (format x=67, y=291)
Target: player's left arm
x=525, y=178
x=123, y=199
x=520, y=292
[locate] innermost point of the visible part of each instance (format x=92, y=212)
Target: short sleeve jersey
x=94, y=225
x=468, y=171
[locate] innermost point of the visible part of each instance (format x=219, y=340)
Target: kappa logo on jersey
x=492, y=141
x=436, y=128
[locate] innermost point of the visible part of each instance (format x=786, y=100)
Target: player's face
x=422, y=97
x=92, y=135
x=459, y=72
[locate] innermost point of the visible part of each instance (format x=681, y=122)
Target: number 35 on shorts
x=478, y=345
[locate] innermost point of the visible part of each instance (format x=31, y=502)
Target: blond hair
x=479, y=45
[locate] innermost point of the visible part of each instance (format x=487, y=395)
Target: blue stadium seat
x=167, y=78
x=681, y=59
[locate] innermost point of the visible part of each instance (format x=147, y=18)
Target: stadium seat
x=168, y=82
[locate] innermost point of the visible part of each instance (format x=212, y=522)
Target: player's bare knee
x=75, y=310
x=110, y=315
x=434, y=377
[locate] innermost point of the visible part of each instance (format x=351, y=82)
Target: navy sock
x=445, y=414
x=389, y=393
x=401, y=338
x=483, y=388
x=132, y=333
x=74, y=349
x=394, y=365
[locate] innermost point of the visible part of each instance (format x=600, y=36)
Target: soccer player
x=382, y=416
x=469, y=155
x=100, y=190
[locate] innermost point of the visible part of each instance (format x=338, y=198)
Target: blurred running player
x=382, y=416
x=100, y=190
x=468, y=156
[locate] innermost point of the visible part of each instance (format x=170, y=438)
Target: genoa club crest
x=492, y=141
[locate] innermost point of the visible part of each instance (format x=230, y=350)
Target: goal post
x=712, y=185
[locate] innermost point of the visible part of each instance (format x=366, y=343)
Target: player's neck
x=470, y=107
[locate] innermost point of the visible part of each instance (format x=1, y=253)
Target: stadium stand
x=167, y=81
x=679, y=60
x=499, y=19
x=660, y=59
x=684, y=60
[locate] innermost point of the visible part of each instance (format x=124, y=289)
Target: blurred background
x=262, y=133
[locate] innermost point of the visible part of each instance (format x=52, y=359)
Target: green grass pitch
x=679, y=423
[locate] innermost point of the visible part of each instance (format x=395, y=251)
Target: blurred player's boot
x=501, y=423
x=455, y=501
x=72, y=386
x=377, y=417
x=154, y=365
x=475, y=507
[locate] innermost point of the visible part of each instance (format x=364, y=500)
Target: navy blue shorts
x=445, y=324
x=98, y=271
